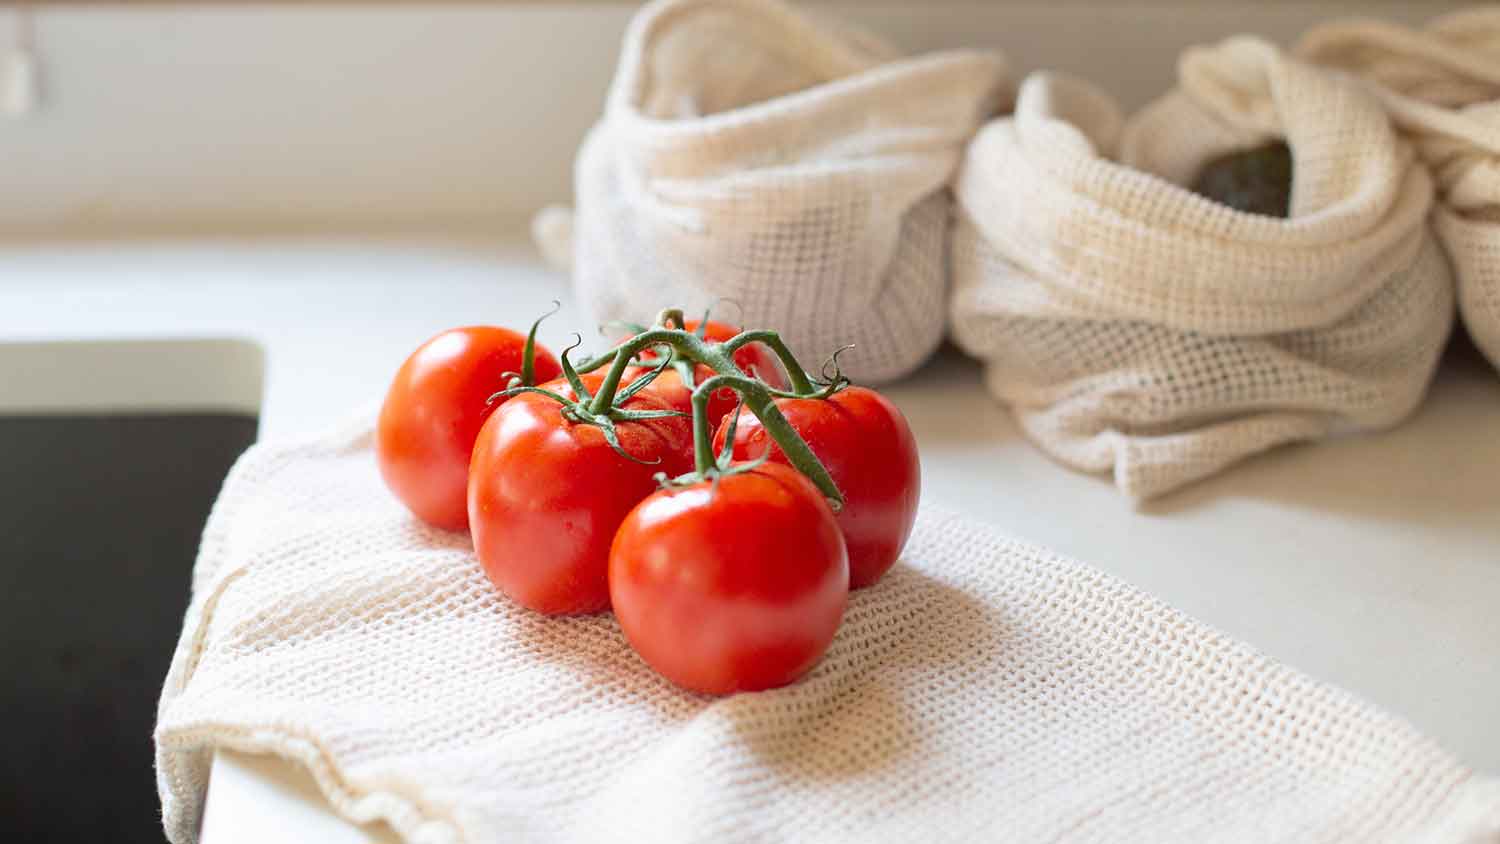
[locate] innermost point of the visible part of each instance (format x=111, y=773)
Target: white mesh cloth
x=983, y=689
x=1133, y=325
x=749, y=153
x=1442, y=87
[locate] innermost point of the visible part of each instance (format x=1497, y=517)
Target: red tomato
x=754, y=359
x=546, y=495
x=434, y=410
x=734, y=587
x=867, y=447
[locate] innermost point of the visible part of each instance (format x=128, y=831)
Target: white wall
x=296, y=116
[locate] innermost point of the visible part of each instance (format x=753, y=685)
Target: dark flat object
x=1256, y=181
x=100, y=518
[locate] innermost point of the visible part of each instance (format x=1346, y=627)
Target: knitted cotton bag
x=1135, y=326
x=750, y=153
x=1442, y=88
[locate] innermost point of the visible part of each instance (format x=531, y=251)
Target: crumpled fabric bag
x=1441, y=86
x=795, y=168
x=984, y=689
x=1136, y=327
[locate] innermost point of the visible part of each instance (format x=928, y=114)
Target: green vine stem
x=801, y=384
x=762, y=403
x=668, y=316
x=687, y=348
x=716, y=356
x=623, y=354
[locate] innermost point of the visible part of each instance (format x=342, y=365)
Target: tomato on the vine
x=868, y=449
x=434, y=409
x=546, y=494
x=755, y=359
x=734, y=584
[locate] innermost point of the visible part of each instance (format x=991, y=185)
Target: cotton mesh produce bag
x=1442, y=88
x=1136, y=327
x=750, y=153
x=984, y=689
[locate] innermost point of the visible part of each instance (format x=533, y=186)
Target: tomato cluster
x=695, y=479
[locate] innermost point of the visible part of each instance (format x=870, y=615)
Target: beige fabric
x=983, y=690
x=752, y=154
x=1442, y=87
x=1134, y=326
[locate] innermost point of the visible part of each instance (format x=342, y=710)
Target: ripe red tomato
x=755, y=359
x=731, y=587
x=867, y=447
x=546, y=495
x=434, y=410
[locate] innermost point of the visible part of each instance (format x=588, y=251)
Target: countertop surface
x=1371, y=562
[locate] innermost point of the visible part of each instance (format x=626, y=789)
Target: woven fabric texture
x=1442, y=88
x=983, y=689
x=1135, y=326
x=753, y=154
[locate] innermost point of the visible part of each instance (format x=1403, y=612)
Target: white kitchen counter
x=1370, y=562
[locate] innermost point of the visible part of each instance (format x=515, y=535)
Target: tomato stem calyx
x=527, y=376
x=579, y=410
x=723, y=463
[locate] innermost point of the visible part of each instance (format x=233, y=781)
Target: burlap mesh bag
x=750, y=153
x=1135, y=326
x=1441, y=86
x=983, y=690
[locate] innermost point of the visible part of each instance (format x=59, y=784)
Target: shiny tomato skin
x=434, y=409
x=546, y=495
x=755, y=359
x=734, y=587
x=867, y=447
